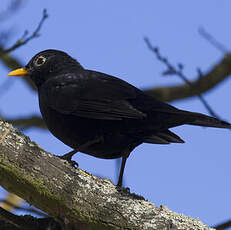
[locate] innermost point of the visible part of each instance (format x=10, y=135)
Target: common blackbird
x=99, y=114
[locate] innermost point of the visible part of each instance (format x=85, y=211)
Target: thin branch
x=207, y=36
x=172, y=70
x=220, y=72
x=24, y=39
x=13, y=63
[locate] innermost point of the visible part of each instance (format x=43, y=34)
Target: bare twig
x=172, y=70
x=218, y=74
x=24, y=39
x=207, y=36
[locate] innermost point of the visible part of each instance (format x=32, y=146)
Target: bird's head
x=47, y=64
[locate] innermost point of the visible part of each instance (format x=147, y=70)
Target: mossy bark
x=76, y=199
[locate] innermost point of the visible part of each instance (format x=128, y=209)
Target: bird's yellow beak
x=18, y=72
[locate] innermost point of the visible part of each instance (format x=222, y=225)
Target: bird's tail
x=184, y=117
x=204, y=120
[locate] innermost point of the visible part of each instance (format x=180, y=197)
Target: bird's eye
x=40, y=61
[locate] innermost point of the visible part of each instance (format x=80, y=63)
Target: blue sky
x=107, y=36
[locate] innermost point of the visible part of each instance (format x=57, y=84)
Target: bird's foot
x=123, y=189
x=71, y=162
x=68, y=157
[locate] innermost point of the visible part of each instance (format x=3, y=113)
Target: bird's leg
x=124, y=158
x=69, y=155
x=125, y=155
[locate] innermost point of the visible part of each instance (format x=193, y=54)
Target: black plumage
x=99, y=114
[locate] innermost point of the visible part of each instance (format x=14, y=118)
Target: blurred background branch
x=12, y=7
x=218, y=73
x=28, y=122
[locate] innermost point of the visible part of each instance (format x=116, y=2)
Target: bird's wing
x=91, y=94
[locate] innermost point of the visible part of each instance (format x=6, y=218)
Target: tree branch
x=24, y=39
x=210, y=80
x=13, y=63
x=212, y=40
x=75, y=198
x=172, y=70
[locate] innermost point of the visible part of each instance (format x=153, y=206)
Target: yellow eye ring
x=40, y=61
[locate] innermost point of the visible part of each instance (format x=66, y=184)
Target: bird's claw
x=74, y=164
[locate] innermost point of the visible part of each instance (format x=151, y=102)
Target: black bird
x=99, y=114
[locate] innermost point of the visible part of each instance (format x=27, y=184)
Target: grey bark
x=74, y=197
